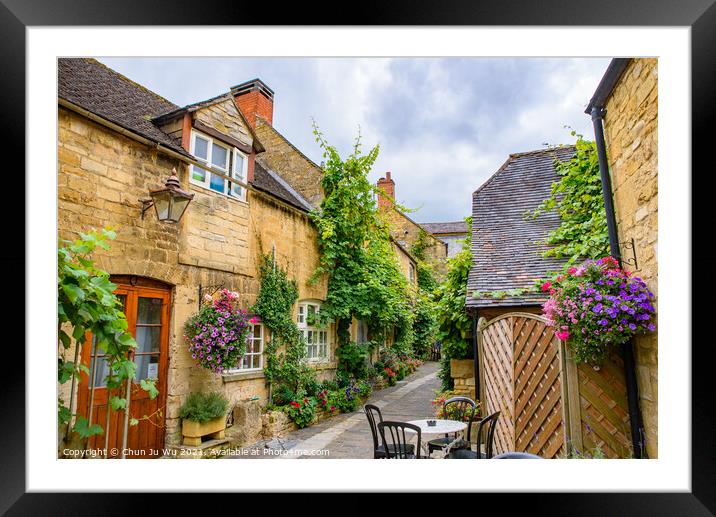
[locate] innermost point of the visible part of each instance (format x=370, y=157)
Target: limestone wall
x=631, y=135
x=101, y=177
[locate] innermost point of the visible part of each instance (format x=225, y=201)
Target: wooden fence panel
x=548, y=404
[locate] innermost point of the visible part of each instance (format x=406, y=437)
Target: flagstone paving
x=348, y=436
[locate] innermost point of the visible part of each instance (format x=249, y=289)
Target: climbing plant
x=454, y=324
x=86, y=304
x=286, y=349
x=425, y=272
x=364, y=278
x=577, y=198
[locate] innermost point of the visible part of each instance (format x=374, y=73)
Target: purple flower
x=602, y=322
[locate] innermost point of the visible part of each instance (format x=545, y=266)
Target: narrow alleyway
x=348, y=435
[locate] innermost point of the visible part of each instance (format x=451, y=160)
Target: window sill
x=322, y=365
x=242, y=376
x=212, y=191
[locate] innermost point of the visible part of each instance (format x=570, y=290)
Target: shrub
x=347, y=399
x=302, y=412
x=329, y=385
x=282, y=395
x=446, y=381
x=202, y=407
x=343, y=379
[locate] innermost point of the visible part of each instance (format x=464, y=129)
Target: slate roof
x=89, y=84
x=271, y=182
x=440, y=228
x=506, y=248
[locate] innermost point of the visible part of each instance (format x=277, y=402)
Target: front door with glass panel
x=147, y=310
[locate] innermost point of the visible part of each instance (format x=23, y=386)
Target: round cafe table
x=441, y=427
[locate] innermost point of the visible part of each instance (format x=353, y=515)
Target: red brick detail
x=250, y=167
x=186, y=131
x=387, y=185
x=255, y=104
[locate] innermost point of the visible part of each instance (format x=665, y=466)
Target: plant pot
x=194, y=431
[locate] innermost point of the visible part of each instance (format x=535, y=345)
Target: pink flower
x=546, y=286
x=254, y=320
x=562, y=335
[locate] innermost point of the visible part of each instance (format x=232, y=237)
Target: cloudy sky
x=444, y=125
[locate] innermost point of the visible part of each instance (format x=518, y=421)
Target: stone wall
x=630, y=128
x=295, y=167
x=405, y=230
x=462, y=372
x=101, y=177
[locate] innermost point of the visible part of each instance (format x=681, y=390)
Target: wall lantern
x=170, y=202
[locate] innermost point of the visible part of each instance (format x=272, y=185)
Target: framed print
x=434, y=234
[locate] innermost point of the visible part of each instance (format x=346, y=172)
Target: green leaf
x=85, y=430
x=149, y=386
x=117, y=403
x=73, y=292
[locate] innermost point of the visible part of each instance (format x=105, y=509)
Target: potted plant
x=203, y=414
x=217, y=335
x=597, y=306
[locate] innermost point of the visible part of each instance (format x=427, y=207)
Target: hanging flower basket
x=597, y=306
x=218, y=334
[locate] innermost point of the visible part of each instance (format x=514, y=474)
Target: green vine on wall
x=286, y=349
x=577, y=198
x=364, y=277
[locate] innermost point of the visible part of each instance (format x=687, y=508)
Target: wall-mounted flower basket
x=218, y=334
x=597, y=306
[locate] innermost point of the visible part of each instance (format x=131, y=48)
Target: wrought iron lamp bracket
x=208, y=289
x=146, y=205
x=630, y=245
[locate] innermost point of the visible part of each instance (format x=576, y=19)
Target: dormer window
x=222, y=164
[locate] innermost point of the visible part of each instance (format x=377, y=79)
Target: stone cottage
x=627, y=100
x=451, y=233
x=117, y=141
x=405, y=231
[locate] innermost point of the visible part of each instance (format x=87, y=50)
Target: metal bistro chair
x=372, y=412
x=464, y=407
x=517, y=456
x=396, y=445
x=487, y=426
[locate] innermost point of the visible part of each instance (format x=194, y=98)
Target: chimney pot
x=255, y=99
x=386, y=194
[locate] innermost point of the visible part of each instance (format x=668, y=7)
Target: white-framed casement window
x=253, y=359
x=228, y=162
x=317, y=339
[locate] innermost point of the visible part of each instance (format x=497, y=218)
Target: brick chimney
x=255, y=99
x=388, y=186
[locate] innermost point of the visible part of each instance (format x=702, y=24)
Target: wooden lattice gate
x=549, y=405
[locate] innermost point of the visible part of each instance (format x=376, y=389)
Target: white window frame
x=260, y=353
x=232, y=154
x=318, y=340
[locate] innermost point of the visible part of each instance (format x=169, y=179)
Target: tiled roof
x=89, y=84
x=269, y=181
x=454, y=227
x=506, y=247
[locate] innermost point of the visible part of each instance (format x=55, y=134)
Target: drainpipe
x=475, y=355
x=637, y=427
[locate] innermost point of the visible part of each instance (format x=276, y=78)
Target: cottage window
x=412, y=273
x=317, y=340
x=222, y=163
x=253, y=358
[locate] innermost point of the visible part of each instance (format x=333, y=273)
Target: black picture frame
x=700, y=15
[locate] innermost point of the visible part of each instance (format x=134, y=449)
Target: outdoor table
x=441, y=427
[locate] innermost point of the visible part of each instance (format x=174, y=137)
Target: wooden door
x=146, y=305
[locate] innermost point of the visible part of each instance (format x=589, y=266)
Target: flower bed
x=597, y=306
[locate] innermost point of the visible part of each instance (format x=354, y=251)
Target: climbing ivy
x=425, y=272
x=286, y=349
x=454, y=324
x=364, y=277
x=577, y=198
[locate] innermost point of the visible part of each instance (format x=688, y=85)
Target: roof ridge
x=541, y=151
